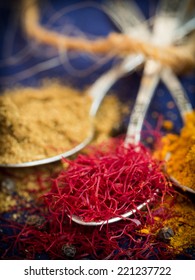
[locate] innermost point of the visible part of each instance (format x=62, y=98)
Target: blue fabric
x=25, y=62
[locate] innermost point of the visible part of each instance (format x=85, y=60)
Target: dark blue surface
x=25, y=62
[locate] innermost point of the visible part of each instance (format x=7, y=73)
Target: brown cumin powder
x=37, y=123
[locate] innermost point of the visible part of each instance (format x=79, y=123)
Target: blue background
x=25, y=62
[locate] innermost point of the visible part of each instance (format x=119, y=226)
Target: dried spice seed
x=165, y=234
x=69, y=250
x=35, y=220
x=7, y=186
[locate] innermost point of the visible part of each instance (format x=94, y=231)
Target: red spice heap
x=43, y=235
x=108, y=182
x=57, y=239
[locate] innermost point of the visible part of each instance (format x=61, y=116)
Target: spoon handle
x=185, y=29
x=125, y=14
x=174, y=8
x=149, y=82
x=102, y=85
x=152, y=72
x=177, y=92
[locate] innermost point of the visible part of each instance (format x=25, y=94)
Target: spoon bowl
x=78, y=220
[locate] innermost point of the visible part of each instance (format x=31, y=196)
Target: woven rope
x=179, y=58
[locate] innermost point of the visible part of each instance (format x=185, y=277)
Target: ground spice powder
x=183, y=224
x=36, y=123
x=177, y=215
x=181, y=163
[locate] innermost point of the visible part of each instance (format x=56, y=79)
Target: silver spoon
x=149, y=82
x=188, y=23
x=186, y=29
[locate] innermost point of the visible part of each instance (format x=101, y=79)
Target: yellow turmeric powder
x=183, y=224
x=181, y=164
x=178, y=219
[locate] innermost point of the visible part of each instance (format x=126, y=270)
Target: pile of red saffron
x=55, y=238
x=108, y=182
